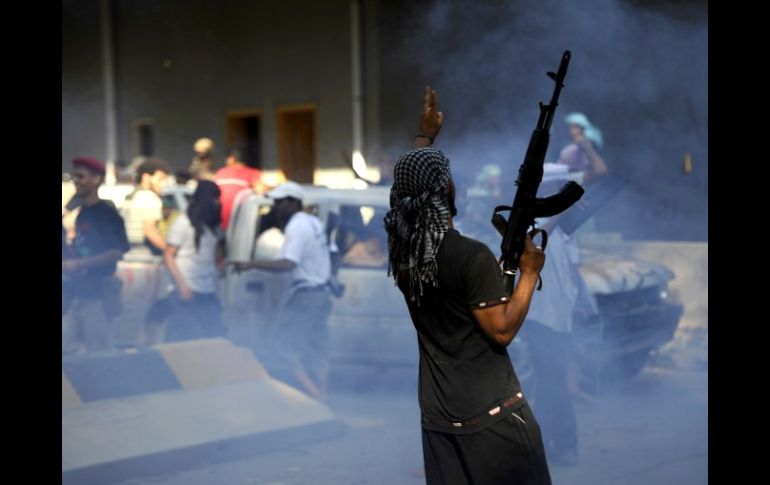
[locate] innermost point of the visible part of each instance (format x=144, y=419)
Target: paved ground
x=654, y=431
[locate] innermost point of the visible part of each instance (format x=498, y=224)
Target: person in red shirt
x=234, y=178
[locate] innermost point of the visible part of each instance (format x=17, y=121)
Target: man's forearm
x=152, y=233
x=515, y=311
x=156, y=239
x=170, y=260
x=517, y=308
x=430, y=120
x=598, y=167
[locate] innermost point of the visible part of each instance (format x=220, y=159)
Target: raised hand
x=431, y=119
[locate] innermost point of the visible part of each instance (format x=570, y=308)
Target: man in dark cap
x=88, y=275
x=476, y=424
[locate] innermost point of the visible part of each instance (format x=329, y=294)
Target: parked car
x=637, y=315
x=370, y=326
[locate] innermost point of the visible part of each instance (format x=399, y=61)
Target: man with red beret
x=88, y=275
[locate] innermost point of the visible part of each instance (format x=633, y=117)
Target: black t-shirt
x=463, y=373
x=98, y=228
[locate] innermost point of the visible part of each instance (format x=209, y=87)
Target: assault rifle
x=526, y=205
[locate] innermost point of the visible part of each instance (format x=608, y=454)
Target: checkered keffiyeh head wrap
x=419, y=216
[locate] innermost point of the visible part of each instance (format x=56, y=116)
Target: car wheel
x=614, y=373
x=631, y=364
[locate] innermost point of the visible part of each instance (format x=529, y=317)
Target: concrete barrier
x=135, y=413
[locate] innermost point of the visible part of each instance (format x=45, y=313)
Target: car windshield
x=356, y=236
x=360, y=237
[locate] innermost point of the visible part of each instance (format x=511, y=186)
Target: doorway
x=296, y=142
x=244, y=127
x=144, y=137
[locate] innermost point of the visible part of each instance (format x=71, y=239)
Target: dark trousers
x=198, y=318
x=300, y=336
x=551, y=353
x=508, y=452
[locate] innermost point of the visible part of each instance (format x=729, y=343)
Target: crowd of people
x=190, y=244
x=477, y=423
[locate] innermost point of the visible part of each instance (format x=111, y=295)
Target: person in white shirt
x=548, y=333
x=143, y=208
x=301, y=335
x=143, y=213
x=193, y=245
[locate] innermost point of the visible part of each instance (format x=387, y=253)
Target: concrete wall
x=185, y=64
x=82, y=95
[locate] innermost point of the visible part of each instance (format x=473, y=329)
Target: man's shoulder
x=223, y=172
x=464, y=244
x=180, y=220
x=249, y=170
x=106, y=205
x=240, y=171
x=102, y=216
x=304, y=222
x=179, y=226
x=103, y=208
x=463, y=251
x=303, y=217
x=145, y=198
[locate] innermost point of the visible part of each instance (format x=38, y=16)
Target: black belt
x=298, y=286
x=479, y=422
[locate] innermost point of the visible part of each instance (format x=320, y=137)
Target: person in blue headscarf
x=582, y=154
